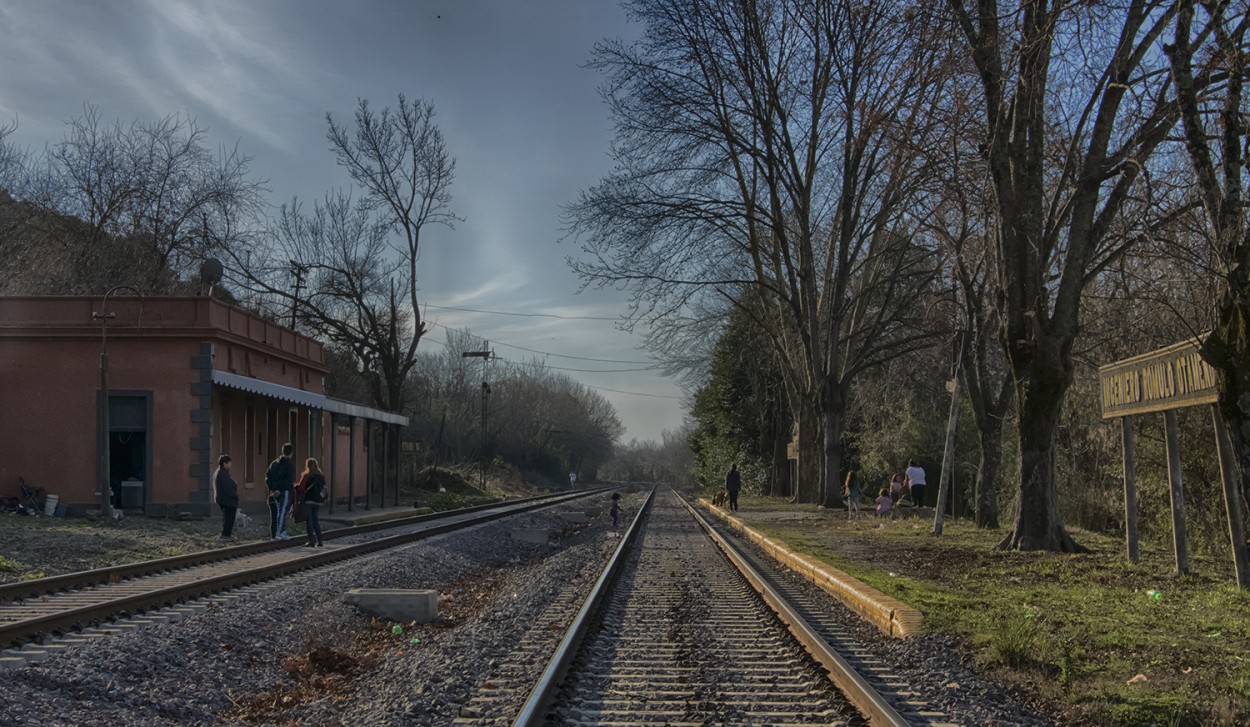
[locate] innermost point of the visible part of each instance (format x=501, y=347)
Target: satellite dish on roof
x=210, y=273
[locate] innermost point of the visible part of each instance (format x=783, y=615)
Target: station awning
x=305, y=398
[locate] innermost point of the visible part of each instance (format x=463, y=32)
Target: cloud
x=221, y=57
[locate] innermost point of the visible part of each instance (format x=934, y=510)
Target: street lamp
x=106, y=487
x=485, y=355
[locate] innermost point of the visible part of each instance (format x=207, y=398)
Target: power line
x=558, y=368
x=632, y=393
x=560, y=355
x=522, y=315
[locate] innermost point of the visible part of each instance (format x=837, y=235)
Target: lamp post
x=106, y=487
x=481, y=455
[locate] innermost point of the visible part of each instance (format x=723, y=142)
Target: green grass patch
x=1072, y=629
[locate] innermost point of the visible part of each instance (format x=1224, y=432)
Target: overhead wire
x=651, y=364
x=650, y=367
x=522, y=315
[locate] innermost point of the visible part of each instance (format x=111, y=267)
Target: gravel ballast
x=293, y=651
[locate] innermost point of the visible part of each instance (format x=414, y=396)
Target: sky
x=519, y=112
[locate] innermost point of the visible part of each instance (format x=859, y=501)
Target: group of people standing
x=910, y=484
x=285, y=494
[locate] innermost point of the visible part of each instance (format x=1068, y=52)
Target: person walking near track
x=733, y=483
x=312, y=490
x=227, y=496
x=279, y=478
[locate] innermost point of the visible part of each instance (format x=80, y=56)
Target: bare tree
x=1209, y=66
x=773, y=146
x=399, y=160
x=332, y=269
x=348, y=270
x=1076, y=100
x=142, y=203
x=962, y=222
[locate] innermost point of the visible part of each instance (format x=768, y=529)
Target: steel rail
x=868, y=700
x=533, y=712
x=22, y=590
x=26, y=630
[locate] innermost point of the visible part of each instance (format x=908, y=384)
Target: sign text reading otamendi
x=1170, y=378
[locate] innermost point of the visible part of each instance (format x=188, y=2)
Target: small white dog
x=241, y=520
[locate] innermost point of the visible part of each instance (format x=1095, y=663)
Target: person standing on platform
x=279, y=478
x=227, y=496
x=733, y=483
x=850, y=490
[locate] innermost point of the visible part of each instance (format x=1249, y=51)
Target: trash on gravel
x=397, y=629
x=1156, y=595
x=1139, y=679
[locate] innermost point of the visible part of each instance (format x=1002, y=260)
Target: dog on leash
x=721, y=498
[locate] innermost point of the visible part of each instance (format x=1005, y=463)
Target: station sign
x=1169, y=378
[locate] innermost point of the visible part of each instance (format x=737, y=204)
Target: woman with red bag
x=310, y=493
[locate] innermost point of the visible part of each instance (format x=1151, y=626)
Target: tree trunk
x=780, y=484
x=808, y=488
x=831, y=471
x=1226, y=349
x=989, y=475
x=1039, y=399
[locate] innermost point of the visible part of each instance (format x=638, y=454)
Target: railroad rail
x=686, y=627
x=671, y=633
x=30, y=610
x=683, y=639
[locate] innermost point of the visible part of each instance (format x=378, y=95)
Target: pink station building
x=189, y=378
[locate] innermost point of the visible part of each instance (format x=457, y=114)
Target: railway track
x=33, y=610
x=685, y=627
x=672, y=634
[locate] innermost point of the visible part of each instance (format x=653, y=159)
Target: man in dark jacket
x=733, y=483
x=279, y=478
x=227, y=496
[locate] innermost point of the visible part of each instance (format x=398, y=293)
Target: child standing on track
x=615, y=510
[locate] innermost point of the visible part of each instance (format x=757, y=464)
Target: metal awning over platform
x=305, y=398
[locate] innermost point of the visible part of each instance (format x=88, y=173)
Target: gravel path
x=295, y=653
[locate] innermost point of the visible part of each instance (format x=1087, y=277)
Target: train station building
x=188, y=379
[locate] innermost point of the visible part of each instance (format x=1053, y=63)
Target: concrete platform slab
x=531, y=535
x=396, y=604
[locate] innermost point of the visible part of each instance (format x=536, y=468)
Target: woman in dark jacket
x=311, y=491
x=227, y=496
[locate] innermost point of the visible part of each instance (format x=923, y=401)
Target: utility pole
x=485, y=355
x=299, y=270
x=106, y=485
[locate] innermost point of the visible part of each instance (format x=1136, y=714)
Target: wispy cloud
x=226, y=59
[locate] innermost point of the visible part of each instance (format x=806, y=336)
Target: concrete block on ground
x=396, y=604
x=528, y=535
x=573, y=517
